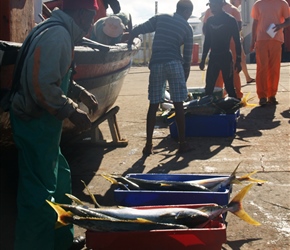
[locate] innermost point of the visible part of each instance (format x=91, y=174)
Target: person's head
x=216, y=6
x=82, y=11
x=236, y=3
x=184, y=8
x=113, y=26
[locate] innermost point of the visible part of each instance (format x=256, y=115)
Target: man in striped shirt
x=168, y=64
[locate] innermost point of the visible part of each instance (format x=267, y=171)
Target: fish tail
x=237, y=208
x=245, y=101
x=61, y=214
x=248, y=177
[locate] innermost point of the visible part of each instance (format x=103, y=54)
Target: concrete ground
x=261, y=143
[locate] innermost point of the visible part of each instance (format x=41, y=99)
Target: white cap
x=113, y=26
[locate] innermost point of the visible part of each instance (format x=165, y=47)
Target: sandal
x=184, y=147
x=148, y=149
x=252, y=80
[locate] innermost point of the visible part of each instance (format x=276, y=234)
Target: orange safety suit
x=268, y=49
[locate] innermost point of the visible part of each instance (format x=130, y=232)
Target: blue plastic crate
x=149, y=197
x=220, y=125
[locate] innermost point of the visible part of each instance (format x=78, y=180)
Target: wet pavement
x=261, y=142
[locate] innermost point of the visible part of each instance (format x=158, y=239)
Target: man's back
x=171, y=31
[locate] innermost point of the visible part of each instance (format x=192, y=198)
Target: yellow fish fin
x=110, y=178
x=61, y=214
x=245, y=100
x=91, y=195
x=236, y=202
x=165, y=185
x=248, y=177
x=172, y=115
x=242, y=214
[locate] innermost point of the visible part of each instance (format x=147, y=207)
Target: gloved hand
x=89, y=100
x=81, y=120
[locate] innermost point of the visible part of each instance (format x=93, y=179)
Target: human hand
x=81, y=120
x=238, y=67
x=277, y=27
x=130, y=39
x=89, y=100
x=201, y=65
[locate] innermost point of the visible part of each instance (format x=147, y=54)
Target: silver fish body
x=177, y=215
x=167, y=185
x=106, y=225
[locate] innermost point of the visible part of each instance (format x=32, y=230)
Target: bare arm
x=282, y=25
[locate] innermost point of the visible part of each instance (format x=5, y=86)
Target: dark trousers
x=217, y=63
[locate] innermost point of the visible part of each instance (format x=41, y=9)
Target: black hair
x=183, y=5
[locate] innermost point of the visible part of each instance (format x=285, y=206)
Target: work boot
x=263, y=102
x=272, y=100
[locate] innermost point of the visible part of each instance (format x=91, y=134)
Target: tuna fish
x=164, y=185
x=126, y=219
x=220, y=183
x=100, y=222
x=204, y=185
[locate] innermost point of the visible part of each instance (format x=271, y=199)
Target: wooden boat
x=100, y=69
x=102, y=73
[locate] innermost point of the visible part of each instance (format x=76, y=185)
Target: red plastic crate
x=210, y=237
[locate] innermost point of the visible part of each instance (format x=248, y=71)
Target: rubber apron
x=44, y=174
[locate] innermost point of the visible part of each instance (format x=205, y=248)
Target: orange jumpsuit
x=268, y=49
x=231, y=9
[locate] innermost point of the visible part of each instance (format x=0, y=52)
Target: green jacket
x=47, y=62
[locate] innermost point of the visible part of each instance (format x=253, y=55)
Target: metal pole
x=156, y=7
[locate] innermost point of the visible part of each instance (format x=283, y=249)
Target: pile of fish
x=202, y=185
x=109, y=219
x=208, y=105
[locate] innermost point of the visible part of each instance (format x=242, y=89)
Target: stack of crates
x=211, y=236
x=204, y=125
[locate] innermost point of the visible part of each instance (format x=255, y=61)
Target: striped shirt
x=171, y=32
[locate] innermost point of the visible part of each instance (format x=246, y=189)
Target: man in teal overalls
x=38, y=109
